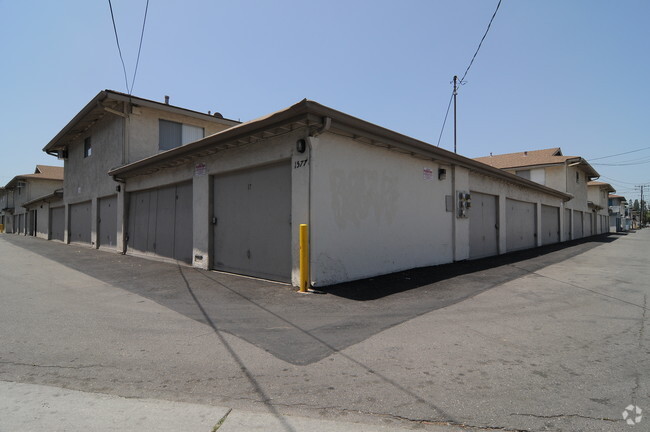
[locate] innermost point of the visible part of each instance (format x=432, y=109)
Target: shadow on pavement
x=302, y=329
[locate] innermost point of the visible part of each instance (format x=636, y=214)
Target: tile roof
x=603, y=185
x=526, y=158
x=550, y=156
x=42, y=172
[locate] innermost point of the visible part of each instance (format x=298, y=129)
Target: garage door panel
x=232, y=230
x=483, y=223
x=57, y=223
x=577, y=225
x=162, y=220
x=107, y=225
x=139, y=221
x=80, y=218
x=253, y=232
x=550, y=224
x=183, y=223
x=521, y=225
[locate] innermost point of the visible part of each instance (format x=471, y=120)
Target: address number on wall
x=301, y=163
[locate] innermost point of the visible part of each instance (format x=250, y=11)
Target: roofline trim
x=123, y=97
x=313, y=111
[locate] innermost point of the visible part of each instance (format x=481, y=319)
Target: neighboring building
x=23, y=189
x=568, y=174
x=598, y=202
x=6, y=209
x=112, y=130
x=619, y=216
x=50, y=214
x=375, y=201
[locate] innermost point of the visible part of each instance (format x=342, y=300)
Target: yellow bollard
x=304, y=258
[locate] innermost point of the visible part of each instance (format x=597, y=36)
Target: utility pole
x=455, y=93
x=641, y=206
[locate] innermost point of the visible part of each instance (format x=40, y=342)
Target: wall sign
x=427, y=173
x=200, y=169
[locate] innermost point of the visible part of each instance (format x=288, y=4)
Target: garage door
x=160, y=222
x=107, y=223
x=252, y=235
x=550, y=224
x=521, y=221
x=21, y=224
x=483, y=226
x=567, y=224
x=588, y=224
x=80, y=216
x=57, y=223
x=577, y=225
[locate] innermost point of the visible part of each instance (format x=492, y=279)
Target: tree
x=636, y=205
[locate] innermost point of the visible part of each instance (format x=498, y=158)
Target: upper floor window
x=173, y=134
x=523, y=174
x=88, y=148
x=577, y=177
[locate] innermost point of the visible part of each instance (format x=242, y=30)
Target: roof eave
x=312, y=112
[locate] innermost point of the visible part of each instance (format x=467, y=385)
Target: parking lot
x=549, y=339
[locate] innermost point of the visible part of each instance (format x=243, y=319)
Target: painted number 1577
x=301, y=163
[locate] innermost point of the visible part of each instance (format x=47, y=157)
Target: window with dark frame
x=88, y=148
x=173, y=134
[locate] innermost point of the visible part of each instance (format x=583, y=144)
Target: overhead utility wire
x=126, y=80
x=144, y=22
x=619, y=154
x=461, y=82
x=445, y=121
x=481, y=43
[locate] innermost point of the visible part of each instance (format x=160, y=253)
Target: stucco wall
x=373, y=211
x=144, y=130
x=261, y=153
x=577, y=189
x=86, y=178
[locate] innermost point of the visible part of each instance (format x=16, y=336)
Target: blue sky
x=554, y=73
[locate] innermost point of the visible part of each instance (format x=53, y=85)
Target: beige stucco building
x=569, y=174
x=17, y=216
x=375, y=201
x=112, y=130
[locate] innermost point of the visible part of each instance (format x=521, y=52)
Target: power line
x=144, y=22
x=445, y=121
x=625, y=163
x=126, y=80
x=461, y=81
x=621, y=181
x=481, y=43
x=620, y=154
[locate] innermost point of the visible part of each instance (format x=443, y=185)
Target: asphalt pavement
x=549, y=339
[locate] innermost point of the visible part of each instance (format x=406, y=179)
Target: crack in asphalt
x=551, y=416
x=421, y=421
x=51, y=366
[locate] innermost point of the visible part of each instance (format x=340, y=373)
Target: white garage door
x=550, y=224
x=252, y=235
x=521, y=220
x=577, y=225
x=483, y=226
